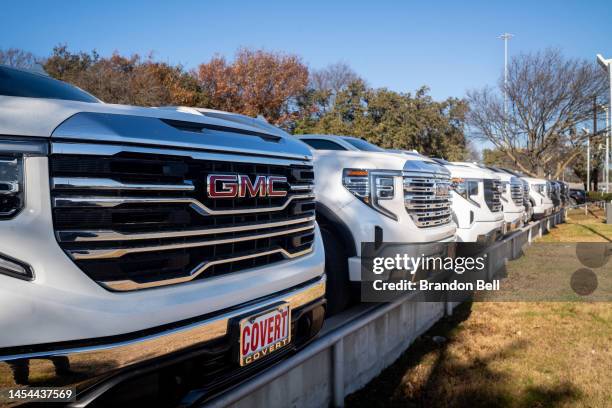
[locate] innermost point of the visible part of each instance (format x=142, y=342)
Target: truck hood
x=60, y=119
x=367, y=160
x=470, y=172
x=533, y=180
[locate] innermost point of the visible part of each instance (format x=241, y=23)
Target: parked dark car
x=577, y=196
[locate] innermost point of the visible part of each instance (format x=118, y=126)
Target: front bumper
x=483, y=232
x=515, y=223
x=88, y=362
x=416, y=249
x=541, y=211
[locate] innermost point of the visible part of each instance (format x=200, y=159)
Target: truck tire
x=338, y=288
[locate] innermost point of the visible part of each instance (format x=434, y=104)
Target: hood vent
x=199, y=128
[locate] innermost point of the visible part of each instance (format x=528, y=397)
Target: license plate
x=264, y=333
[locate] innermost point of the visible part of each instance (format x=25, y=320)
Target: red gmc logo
x=240, y=185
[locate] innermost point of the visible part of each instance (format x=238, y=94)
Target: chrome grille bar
x=84, y=183
x=81, y=254
x=125, y=285
x=102, y=235
x=107, y=202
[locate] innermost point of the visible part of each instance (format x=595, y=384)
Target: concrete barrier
x=345, y=359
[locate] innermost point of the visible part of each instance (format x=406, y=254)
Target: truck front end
x=141, y=245
x=477, y=207
x=382, y=197
x=540, y=197
x=512, y=202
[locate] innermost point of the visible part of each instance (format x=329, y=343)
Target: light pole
x=606, y=64
x=506, y=37
x=588, y=186
x=607, y=161
x=607, y=152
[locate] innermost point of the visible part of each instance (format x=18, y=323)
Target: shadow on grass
x=594, y=232
x=427, y=375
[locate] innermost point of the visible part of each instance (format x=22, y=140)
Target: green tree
x=390, y=119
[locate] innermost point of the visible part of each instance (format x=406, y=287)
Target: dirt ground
x=509, y=354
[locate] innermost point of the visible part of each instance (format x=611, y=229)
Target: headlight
x=465, y=188
x=539, y=188
x=12, y=187
x=371, y=186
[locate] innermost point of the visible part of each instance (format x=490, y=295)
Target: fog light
x=14, y=268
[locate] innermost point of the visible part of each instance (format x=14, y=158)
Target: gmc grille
x=492, y=194
x=427, y=198
x=135, y=218
x=526, y=201
x=516, y=192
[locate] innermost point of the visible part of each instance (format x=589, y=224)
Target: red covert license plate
x=264, y=334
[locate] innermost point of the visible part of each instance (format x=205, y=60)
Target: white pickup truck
x=367, y=194
x=540, y=195
x=512, y=199
x=477, y=204
x=511, y=196
x=136, y=241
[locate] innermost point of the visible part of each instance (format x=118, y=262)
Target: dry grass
x=582, y=228
x=504, y=354
x=509, y=354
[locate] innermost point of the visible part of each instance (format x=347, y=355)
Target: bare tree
x=334, y=78
x=14, y=57
x=549, y=97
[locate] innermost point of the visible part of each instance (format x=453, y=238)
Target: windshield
x=15, y=82
x=363, y=145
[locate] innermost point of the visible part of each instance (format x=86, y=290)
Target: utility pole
x=506, y=37
x=594, y=129
x=606, y=64
x=588, y=186
x=607, y=136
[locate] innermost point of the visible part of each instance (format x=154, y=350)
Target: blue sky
x=449, y=46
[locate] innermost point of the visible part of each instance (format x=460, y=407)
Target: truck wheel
x=338, y=289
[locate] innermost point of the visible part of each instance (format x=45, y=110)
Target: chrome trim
x=426, y=197
x=108, y=235
x=422, y=201
x=433, y=223
x=13, y=187
x=80, y=254
x=90, y=149
x=195, y=204
x=128, y=285
x=63, y=183
x=423, y=206
x=96, y=362
x=301, y=187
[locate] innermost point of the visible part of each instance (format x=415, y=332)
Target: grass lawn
x=509, y=354
x=582, y=228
